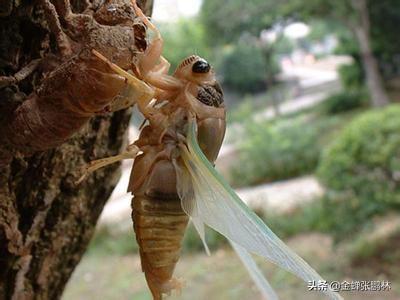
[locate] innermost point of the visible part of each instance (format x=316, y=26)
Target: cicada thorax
x=211, y=131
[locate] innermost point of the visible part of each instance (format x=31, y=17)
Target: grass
x=114, y=272
x=221, y=276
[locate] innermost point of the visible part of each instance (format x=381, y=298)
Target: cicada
x=173, y=179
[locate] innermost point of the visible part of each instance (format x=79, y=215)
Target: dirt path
x=280, y=196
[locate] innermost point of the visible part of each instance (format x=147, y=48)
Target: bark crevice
x=46, y=221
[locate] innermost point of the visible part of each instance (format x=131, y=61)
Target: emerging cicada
x=173, y=179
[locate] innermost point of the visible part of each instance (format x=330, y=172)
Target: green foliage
x=192, y=242
x=226, y=21
x=361, y=169
x=365, y=159
x=283, y=45
x=343, y=214
x=116, y=242
x=352, y=77
x=270, y=152
x=343, y=102
x=184, y=38
x=385, y=17
x=121, y=242
x=338, y=215
x=243, y=111
x=243, y=68
x=306, y=218
x=377, y=245
x=320, y=29
x=233, y=29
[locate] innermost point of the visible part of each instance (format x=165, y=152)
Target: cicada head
x=207, y=91
x=195, y=69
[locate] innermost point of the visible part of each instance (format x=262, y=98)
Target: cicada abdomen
x=158, y=217
x=159, y=224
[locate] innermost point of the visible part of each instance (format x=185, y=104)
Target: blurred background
x=312, y=145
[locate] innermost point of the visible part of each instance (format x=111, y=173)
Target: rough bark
x=362, y=32
x=46, y=221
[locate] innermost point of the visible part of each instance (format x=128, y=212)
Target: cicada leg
x=94, y=165
x=153, y=67
x=154, y=50
x=143, y=92
x=20, y=75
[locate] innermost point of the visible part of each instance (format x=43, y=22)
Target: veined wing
x=263, y=285
x=213, y=202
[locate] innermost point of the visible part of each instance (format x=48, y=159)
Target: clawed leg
x=20, y=75
x=152, y=66
x=142, y=94
x=144, y=19
x=94, y=165
x=153, y=52
x=55, y=27
x=160, y=79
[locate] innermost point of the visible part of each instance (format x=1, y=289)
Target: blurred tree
x=362, y=27
x=355, y=14
x=243, y=67
x=229, y=21
x=372, y=23
x=226, y=21
x=385, y=17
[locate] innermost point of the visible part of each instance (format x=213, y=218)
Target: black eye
x=201, y=66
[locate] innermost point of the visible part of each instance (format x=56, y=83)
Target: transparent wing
x=186, y=194
x=263, y=285
x=218, y=206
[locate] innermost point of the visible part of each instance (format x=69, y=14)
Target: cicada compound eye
x=201, y=66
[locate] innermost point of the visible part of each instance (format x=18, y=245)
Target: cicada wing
x=218, y=206
x=263, y=285
x=186, y=194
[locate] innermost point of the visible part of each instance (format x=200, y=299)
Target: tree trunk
x=46, y=220
x=374, y=79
